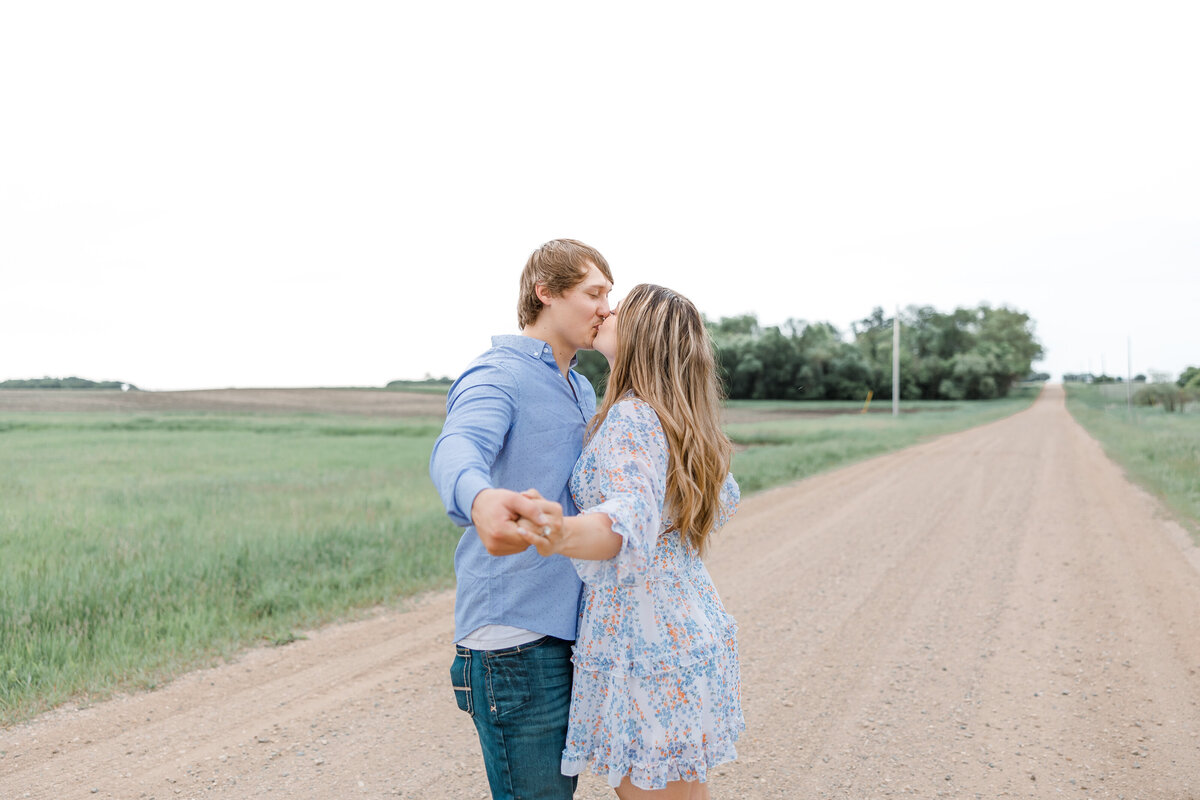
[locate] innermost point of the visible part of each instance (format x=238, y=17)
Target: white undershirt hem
x=497, y=637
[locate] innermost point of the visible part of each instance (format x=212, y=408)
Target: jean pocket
x=508, y=683
x=460, y=679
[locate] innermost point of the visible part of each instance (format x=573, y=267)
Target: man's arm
x=480, y=410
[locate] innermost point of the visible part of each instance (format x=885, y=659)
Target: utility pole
x=896, y=363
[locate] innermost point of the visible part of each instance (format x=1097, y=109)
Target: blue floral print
x=657, y=692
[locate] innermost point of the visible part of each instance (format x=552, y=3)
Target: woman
x=656, y=701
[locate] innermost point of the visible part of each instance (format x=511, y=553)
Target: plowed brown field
x=997, y=613
x=271, y=401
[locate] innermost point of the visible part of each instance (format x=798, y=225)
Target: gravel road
x=996, y=613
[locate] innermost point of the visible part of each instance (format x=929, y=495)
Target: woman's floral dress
x=657, y=693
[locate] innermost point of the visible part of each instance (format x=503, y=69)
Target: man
x=515, y=421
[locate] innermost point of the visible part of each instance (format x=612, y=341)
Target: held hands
x=543, y=530
x=508, y=523
x=495, y=514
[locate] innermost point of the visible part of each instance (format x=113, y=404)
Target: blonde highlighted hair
x=665, y=357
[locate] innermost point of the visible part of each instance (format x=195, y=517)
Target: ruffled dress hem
x=653, y=775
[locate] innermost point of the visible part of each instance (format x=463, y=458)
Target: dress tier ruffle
x=685, y=721
x=657, y=693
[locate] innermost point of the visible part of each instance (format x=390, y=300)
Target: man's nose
x=604, y=309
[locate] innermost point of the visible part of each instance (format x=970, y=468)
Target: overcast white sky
x=298, y=194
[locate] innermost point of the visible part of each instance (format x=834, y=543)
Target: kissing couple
x=588, y=632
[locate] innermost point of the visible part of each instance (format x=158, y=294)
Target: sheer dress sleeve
x=625, y=468
x=731, y=496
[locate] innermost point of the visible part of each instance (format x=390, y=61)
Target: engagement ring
x=546, y=532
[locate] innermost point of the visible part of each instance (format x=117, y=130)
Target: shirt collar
x=535, y=348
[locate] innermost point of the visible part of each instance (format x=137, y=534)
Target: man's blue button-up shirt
x=512, y=422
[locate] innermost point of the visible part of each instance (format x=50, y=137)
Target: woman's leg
x=676, y=790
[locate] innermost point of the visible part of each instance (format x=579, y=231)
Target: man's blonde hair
x=665, y=357
x=559, y=265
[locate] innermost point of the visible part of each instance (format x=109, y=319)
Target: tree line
x=63, y=383
x=967, y=354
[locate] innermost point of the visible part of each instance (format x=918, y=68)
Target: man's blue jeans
x=519, y=699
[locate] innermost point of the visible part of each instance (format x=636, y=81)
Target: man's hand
x=495, y=513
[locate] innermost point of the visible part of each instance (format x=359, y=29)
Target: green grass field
x=1159, y=450
x=135, y=547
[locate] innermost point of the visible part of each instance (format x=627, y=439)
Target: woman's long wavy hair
x=665, y=357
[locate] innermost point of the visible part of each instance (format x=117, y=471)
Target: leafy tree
x=594, y=367
x=1007, y=336
x=966, y=354
x=872, y=335
x=65, y=383
x=745, y=325
x=745, y=379
x=1167, y=395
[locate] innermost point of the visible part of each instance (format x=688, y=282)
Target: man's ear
x=543, y=293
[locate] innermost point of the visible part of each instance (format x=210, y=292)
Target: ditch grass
x=137, y=547
x=1157, y=449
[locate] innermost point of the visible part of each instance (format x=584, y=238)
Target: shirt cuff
x=465, y=491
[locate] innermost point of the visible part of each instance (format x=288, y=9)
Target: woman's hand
x=587, y=536
x=546, y=536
